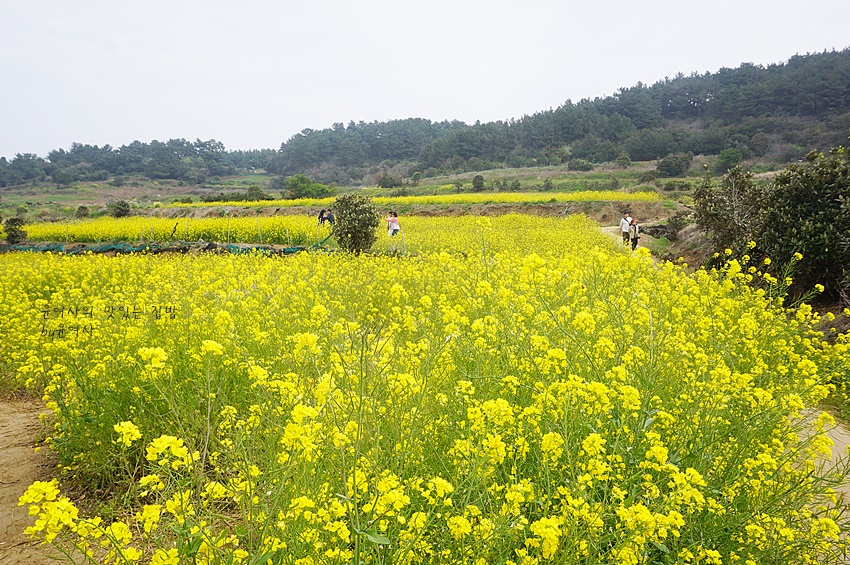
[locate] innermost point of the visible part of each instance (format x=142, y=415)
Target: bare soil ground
x=20, y=465
x=603, y=212
x=841, y=437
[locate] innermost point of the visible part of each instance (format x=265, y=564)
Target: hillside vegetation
x=776, y=113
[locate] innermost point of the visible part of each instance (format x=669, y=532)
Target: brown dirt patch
x=602, y=212
x=841, y=437
x=20, y=465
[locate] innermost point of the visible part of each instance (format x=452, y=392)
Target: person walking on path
x=625, y=222
x=392, y=224
x=634, y=233
x=392, y=229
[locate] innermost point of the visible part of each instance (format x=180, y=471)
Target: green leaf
x=373, y=537
x=262, y=559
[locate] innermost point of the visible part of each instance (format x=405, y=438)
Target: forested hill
x=778, y=112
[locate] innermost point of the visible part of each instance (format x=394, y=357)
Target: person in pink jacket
x=392, y=224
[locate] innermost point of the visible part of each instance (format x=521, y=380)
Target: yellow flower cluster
x=519, y=391
x=128, y=432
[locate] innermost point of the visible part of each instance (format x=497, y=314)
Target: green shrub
x=808, y=212
x=15, y=233
x=728, y=158
x=356, y=221
x=579, y=165
x=803, y=211
x=300, y=186
x=677, y=185
x=647, y=177
x=387, y=180
x=82, y=212
x=121, y=209
x=674, y=165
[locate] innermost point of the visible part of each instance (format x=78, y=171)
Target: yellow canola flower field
x=297, y=230
x=288, y=230
x=520, y=391
x=449, y=199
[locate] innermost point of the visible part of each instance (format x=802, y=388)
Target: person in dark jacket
x=634, y=233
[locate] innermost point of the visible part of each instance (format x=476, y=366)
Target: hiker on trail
x=624, y=227
x=634, y=233
x=329, y=217
x=322, y=217
x=392, y=224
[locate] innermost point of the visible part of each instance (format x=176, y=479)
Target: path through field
x=841, y=437
x=20, y=465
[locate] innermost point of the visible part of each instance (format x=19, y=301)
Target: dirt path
x=615, y=232
x=20, y=465
x=841, y=437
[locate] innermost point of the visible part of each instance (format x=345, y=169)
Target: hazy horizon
x=254, y=74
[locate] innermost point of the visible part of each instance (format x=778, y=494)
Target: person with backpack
x=634, y=233
x=625, y=222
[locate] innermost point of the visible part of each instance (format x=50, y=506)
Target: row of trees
x=192, y=162
x=781, y=111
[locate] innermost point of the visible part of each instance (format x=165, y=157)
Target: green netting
x=40, y=247
x=172, y=247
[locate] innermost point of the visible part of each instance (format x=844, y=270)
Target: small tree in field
x=15, y=233
x=477, y=183
x=356, y=221
x=730, y=211
x=121, y=209
x=623, y=160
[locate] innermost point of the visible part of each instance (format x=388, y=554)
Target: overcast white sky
x=253, y=73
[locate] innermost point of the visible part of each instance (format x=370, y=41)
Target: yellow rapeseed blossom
x=128, y=432
x=497, y=395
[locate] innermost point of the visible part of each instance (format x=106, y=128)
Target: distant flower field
x=295, y=230
x=465, y=198
x=419, y=233
x=521, y=391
